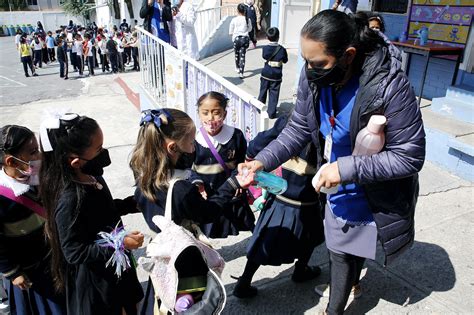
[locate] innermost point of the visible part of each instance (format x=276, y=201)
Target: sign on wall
x=448, y=21
x=174, y=80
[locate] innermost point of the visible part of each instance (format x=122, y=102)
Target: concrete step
x=461, y=92
x=454, y=107
x=449, y=143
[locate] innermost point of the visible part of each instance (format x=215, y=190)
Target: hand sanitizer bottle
x=270, y=182
x=371, y=139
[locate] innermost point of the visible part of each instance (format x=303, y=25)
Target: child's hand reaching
x=133, y=240
x=202, y=191
x=246, y=178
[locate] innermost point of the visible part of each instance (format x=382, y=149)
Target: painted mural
x=448, y=21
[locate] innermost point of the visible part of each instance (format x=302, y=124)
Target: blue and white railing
x=172, y=79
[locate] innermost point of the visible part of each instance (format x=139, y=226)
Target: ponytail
x=339, y=31
x=243, y=10
x=150, y=162
x=72, y=136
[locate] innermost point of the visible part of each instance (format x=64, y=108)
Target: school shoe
x=35, y=74
x=323, y=291
x=4, y=307
x=306, y=273
x=244, y=290
x=241, y=75
x=66, y=78
x=237, y=70
x=27, y=75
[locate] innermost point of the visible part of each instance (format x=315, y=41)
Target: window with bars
x=392, y=6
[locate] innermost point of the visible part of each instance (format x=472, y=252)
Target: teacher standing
x=352, y=73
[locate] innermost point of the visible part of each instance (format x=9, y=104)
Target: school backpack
x=179, y=263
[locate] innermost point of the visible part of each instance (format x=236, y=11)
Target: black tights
x=345, y=272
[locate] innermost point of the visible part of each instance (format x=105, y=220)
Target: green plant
x=14, y=5
x=75, y=7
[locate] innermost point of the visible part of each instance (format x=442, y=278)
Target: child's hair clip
x=157, y=116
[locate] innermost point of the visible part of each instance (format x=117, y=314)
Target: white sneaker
x=241, y=75
x=323, y=291
x=237, y=70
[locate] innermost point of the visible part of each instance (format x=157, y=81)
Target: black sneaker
x=27, y=75
x=305, y=274
x=244, y=290
x=35, y=74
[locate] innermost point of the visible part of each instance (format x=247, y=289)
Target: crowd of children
x=113, y=50
x=56, y=188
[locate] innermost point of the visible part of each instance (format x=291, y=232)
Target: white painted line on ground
x=5, y=78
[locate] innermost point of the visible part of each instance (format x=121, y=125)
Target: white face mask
x=31, y=176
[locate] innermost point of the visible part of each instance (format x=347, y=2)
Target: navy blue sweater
x=269, y=72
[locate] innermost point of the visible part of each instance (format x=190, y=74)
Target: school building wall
x=440, y=71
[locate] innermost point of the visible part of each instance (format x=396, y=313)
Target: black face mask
x=95, y=167
x=325, y=77
x=185, y=160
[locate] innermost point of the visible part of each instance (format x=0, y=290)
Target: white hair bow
x=52, y=120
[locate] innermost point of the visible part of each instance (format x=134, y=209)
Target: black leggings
x=241, y=43
x=345, y=272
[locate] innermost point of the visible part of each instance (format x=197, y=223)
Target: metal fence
x=207, y=21
x=172, y=79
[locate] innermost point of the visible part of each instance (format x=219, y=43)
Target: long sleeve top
x=239, y=27
x=188, y=203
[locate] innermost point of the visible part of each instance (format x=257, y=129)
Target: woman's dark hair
x=40, y=25
x=56, y=174
x=12, y=139
x=243, y=10
x=273, y=34
x=219, y=97
x=339, y=31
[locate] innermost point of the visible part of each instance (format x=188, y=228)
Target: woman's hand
x=133, y=240
x=251, y=166
x=329, y=177
x=22, y=282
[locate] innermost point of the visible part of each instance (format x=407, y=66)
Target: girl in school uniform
x=219, y=149
x=79, y=206
x=25, y=256
x=239, y=29
x=79, y=53
x=165, y=150
x=290, y=225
